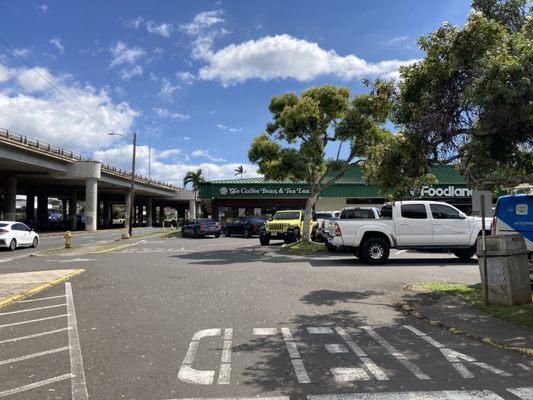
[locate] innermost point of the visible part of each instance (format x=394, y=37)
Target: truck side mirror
x=462, y=215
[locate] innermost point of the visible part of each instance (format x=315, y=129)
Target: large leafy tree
x=469, y=101
x=304, y=129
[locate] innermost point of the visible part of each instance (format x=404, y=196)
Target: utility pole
x=132, y=205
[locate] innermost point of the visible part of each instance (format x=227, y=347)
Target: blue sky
x=193, y=78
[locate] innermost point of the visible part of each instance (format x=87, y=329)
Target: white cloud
x=167, y=89
x=163, y=112
x=58, y=44
x=164, y=29
x=43, y=8
x=202, y=29
x=51, y=118
x=135, y=23
x=5, y=73
x=284, y=56
x=227, y=128
x=397, y=40
x=128, y=73
x=171, y=172
x=185, y=76
x=31, y=82
x=201, y=153
x=23, y=52
x=203, y=21
x=122, y=54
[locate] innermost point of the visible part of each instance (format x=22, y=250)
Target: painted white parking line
x=14, y=340
x=265, y=331
x=34, y=355
x=365, y=359
x=34, y=385
x=78, y=385
x=294, y=354
x=525, y=393
x=40, y=299
x=335, y=348
x=225, y=363
x=454, y=357
x=33, y=320
x=236, y=398
x=436, y=395
x=320, y=330
x=395, y=353
x=32, y=309
x=349, y=374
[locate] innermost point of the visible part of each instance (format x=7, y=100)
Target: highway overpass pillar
x=42, y=209
x=91, y=203
x=127, y=208
x=149, y=214
x=11, y=198
x=73, y=222
x=192, y=209
x=30, y=209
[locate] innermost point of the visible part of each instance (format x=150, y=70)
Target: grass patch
x=304, y=247
x=472, y=294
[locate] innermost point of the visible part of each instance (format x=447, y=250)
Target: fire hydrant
x=68, y=239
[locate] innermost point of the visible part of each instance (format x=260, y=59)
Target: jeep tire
x=264, y=240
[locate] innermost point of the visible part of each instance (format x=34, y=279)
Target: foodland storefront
x=227, y=200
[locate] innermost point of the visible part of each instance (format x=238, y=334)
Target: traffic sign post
x=482, y=205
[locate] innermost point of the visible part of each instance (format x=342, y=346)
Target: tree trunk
x=311, y=200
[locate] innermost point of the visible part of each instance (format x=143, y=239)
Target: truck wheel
x=331, y=248
x=265, y=241
x=374, y=251
x=465, y=254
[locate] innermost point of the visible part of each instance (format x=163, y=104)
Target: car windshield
x=256, y=220
x=323, y=215
x=287, y=215
x=206, y=221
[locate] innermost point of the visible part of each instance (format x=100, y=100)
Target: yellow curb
x=40, y=288
x=122, y=246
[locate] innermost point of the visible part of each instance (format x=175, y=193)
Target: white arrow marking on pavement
x=265, y=331
x=454, y=356
x=525, y=393
x=190, y=375
x=336, y=348
x=320, y=330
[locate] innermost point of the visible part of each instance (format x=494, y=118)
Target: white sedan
x=16, y=234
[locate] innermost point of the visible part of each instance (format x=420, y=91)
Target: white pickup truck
x=414, y=225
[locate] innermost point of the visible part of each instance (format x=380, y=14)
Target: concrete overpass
x=35, y=169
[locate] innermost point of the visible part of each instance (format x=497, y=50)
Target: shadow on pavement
x=235, y=256
x=393, y=262
x=327, y=297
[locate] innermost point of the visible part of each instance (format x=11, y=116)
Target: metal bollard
x=68, y=239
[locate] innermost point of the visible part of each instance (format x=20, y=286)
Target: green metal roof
x=445, y=174
x=351, y=185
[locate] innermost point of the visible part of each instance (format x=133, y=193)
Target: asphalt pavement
x=227, y=318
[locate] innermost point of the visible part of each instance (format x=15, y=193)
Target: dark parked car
x=200, y=227
x=246, y=226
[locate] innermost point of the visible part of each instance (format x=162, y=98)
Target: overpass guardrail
x=34, y=144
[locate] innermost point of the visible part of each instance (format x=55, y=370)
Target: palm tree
x=194, y=178
x=240, y=171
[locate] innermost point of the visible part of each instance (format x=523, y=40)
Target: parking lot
x=227, y=318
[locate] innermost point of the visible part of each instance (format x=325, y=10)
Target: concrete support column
x=42, y=209
x=149, y=215
x=30, y=209
x=11, y=198
x=91, y=204
x=73, y=221
x=127, y=208
x=192, y=209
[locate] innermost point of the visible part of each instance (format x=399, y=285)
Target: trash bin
x=507, y=269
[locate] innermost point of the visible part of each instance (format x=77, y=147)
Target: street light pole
x=132, y=205
x=133, y=138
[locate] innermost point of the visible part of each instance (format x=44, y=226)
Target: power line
x=54, y=86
